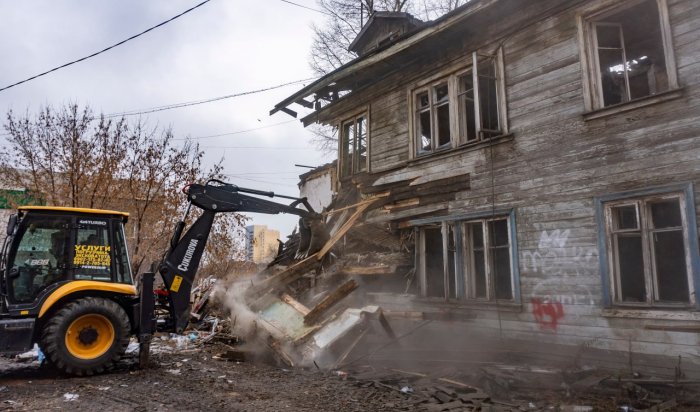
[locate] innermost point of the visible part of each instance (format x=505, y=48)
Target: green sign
x=10, y=199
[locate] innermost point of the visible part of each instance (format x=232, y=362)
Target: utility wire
x=256, y=147
x=198, y=102
x=236, y=132
x=306, y=7
x=106, y=49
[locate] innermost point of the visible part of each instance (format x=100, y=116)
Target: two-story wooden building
x=546, y=154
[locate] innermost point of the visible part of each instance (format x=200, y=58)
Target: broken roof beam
x=431, y=29
x=289, y=111
x=305, y=103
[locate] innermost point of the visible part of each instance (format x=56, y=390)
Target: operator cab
x=47, y=247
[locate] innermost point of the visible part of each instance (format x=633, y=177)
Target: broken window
x=353, y=146
x=488, y=259
x=476, y=95
x=467, y=259
x=479, y=121
x=648, y=247
x=433, y=118
x=628, y=55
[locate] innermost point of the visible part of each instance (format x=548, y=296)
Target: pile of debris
x=295, y=310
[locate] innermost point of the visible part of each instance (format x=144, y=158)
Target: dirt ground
x=187, y=382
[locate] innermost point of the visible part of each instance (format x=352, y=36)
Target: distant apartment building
x=261, y=243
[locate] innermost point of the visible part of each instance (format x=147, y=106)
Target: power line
x=256, y=147
x=108, y=48
x=237, y=132
x=261, y=173
x=306, y=7
x=197, y=102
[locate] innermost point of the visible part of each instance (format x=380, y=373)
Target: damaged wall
x=558, y=171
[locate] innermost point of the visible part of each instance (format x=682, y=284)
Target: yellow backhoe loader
x=66, y=282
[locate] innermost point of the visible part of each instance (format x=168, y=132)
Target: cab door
x=39, y=258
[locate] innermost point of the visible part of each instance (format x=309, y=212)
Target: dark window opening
x=630, y=53
x=649, y=249
x=442, y=108
x=488, y=97
x=471, y=260
x=500, y=258
x=434, y=270
x=353, y=146
x=467, y=124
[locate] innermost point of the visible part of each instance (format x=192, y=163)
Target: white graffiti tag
x=561, y=265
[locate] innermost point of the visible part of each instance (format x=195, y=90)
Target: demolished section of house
x=514, y=170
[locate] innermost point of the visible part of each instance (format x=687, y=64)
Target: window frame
x=587, y=20
x=463, y=278
x=607, y=261
x=354, y=168
x=452, y=80
x=488, y=248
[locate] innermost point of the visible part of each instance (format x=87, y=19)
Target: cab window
x=41, y=258
x=92, y=258
x=123, y=269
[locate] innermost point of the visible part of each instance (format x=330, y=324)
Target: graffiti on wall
x=548, y=314
x=559, y=264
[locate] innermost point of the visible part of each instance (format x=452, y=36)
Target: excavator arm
x=179, y=266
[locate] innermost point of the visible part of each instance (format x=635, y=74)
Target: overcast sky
x=224, y=47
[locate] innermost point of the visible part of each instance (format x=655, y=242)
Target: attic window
x=629, y=56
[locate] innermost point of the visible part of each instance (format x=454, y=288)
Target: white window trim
x=592, y=89
x=451, y=78
x=469, y=278
x=464, y=293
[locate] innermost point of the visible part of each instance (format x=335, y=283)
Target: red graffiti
x=547, y=314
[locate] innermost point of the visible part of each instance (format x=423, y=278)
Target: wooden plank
x=374, y=198
x=402, y=203
x=343, y=229
x=369, y=270
x=330, y=300
x=295, y=304
x=286, y=276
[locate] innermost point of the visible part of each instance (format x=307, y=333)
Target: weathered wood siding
x=553, y=168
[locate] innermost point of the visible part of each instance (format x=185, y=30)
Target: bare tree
x=329, y=49
x=71, y=158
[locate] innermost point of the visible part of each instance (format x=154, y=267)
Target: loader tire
x=86, y=336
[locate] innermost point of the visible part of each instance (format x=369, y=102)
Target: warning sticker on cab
x=175, y=287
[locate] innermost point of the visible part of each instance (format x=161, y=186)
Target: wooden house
x=546, y=157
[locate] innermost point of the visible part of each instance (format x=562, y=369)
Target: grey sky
x=224, y=47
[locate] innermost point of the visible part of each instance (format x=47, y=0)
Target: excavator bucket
x=313, y=235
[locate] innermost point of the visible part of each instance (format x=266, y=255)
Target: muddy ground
x=187, y=382
x=196, y=380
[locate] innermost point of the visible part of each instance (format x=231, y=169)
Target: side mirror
x=13, y=273
x=11, y=225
